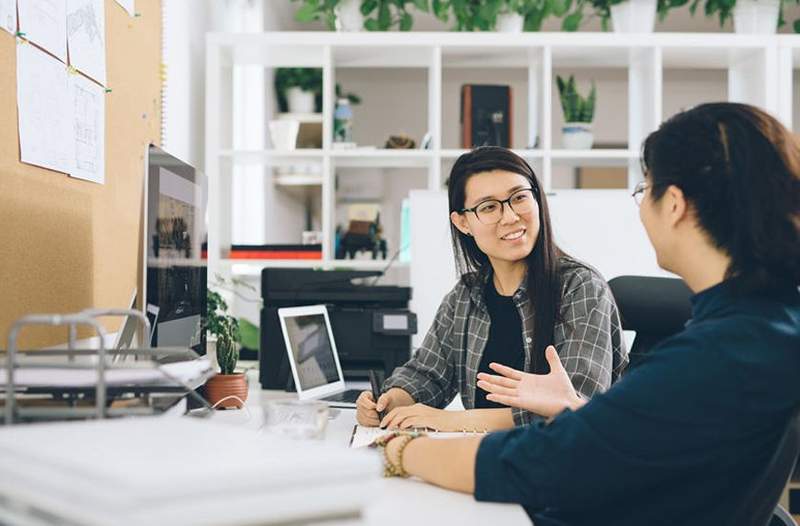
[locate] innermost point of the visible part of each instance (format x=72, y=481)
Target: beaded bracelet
x=390, y=469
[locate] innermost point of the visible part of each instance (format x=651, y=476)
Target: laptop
x=313, y=357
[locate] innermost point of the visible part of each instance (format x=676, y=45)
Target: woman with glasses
x=518, y=295
x=689, y=436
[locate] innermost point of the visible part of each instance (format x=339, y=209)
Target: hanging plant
x=481, y=15
x=602, y=8
x=379, y=15
x=724, y=10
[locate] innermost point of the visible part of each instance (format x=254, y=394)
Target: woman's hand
x=367, y=410
x=419, y=416
x=543, y=394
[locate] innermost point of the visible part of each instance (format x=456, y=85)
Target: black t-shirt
x=504, y=345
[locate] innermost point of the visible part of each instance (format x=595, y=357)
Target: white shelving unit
x=759, y=71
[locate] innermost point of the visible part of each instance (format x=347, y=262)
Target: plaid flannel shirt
x=588, y=340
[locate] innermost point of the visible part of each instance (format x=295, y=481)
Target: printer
x=371, y=325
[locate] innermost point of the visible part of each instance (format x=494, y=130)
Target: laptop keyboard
x=350, y=396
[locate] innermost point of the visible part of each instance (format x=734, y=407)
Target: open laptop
x=313, y=357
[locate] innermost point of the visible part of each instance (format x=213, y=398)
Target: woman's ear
x=460, y=222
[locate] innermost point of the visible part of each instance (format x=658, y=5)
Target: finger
x=365, y=400
x=498, y=380
x=398, y=415
x=496, y=389
x=510, y=401
x=367, y=419
x=383, y=402
x=505, y=371
x=553, y=359
x=389, y=418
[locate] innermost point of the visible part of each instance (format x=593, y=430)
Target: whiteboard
x=600, y=227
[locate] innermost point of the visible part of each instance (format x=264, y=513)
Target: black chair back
x=655, y=308
x=758, y=506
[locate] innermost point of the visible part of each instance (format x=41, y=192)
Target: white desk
x=402, y=501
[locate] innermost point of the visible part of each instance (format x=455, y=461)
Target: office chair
x=657, y=308
x=758, y=508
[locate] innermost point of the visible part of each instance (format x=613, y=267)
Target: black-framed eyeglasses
x=638, y=192
x=491, y=211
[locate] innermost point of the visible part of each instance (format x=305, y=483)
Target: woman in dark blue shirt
x=680, y=438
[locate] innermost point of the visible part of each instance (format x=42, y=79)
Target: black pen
x=376, y=390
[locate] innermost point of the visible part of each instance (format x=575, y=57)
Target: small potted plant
x=505, y=16
x=355, y=15
x=227, y=389
x=749, y=16
x=578, y=114
x=299, y=90
x=628, y=16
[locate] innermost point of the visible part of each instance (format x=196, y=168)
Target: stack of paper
x=178, y=471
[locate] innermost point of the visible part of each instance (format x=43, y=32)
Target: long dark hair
x=544, y=273
x=739, y=169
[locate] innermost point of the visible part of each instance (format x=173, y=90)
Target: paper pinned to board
x=89, y=114
x=44, y=22
x=46, y=134
x=8, y=16
x=129, y=6
x=86, y=37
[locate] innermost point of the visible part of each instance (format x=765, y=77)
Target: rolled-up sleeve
x=429, y=377
x=589, y=338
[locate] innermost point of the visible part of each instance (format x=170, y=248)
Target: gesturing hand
x=543, y=394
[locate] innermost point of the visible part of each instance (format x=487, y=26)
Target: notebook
x=364, y=436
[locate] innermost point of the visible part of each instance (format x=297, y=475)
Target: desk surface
x=401, y=501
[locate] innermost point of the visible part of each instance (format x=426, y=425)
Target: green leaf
x=371, y=25
x=368, y=6
x=572, y=22
x=422, y=5
x=796, y=26
x=406, y=22
x=384, y=17
x=560, y=7
x=307, y=13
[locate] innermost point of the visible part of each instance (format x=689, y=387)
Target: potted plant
x=227, y=388
x=355, y=15
x=507, y=16
x=628, y=16
x=578, y=114
x=299, y=90
x=749, y=16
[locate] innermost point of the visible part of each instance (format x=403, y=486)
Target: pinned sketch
x=86, y=37
x=8, y=15
x=46, y=135
x=44, y=23
x=89, y=114
x=129, y=6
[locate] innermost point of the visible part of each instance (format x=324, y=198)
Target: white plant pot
x=300, y=101
x=283, y=134
x=577, y=135
x=348, y=16
x=510, y=23
x=756, y=16
x=634, y=16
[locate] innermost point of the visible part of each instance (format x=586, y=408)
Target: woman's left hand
x=421, y=416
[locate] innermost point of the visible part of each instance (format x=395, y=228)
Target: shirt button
x=528, y=339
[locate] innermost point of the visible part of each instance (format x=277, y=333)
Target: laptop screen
x=312, y=350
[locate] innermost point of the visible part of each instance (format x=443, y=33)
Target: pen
x=376, y=389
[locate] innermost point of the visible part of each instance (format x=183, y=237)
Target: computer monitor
x=175, y=270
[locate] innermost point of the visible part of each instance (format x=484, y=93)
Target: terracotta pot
x=222, y=385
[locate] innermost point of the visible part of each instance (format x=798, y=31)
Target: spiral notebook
x=364, y=436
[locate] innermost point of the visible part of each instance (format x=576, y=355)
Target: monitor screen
x=175, y=230
x=312, y=350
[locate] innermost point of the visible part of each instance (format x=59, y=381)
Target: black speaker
x=486, y=116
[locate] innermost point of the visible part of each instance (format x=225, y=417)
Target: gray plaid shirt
x=588, y=340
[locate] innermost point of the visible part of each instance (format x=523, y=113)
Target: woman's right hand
x=543, y=394
x=367, y=410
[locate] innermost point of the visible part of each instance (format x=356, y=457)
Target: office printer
x=371, y=325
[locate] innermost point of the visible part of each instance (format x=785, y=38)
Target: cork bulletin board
x=68, y=244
